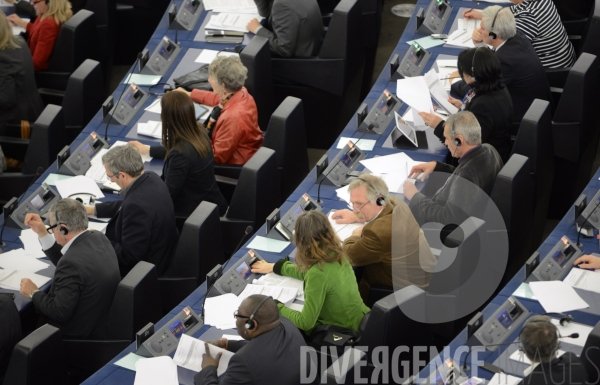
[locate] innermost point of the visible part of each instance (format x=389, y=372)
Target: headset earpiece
x=380, y=200
x=251, y=323
x=63, y=230
x=473, y=64
x=492, y=34
x=457, y=142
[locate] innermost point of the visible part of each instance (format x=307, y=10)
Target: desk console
x=237, y=277
x=188, y=14
x=435, y=17
x=345, y=161
x=130, y=103
x=162, y=57
x=283, y=229
x=38, y=203
x=502, y=323
x=592, y=213
x=165, y=340
x=79, y=162
x=412, y=64
x=382, y=113
x=557, y=262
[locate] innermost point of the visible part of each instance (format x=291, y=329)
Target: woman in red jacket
x=235, y=134
x=43, y=32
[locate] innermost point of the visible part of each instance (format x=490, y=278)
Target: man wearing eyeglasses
x=390, y=246
x=86, y=276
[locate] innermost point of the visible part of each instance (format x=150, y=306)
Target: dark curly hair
x=486, y=67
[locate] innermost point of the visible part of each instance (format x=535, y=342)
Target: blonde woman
x=331, y=294
x=43, y=32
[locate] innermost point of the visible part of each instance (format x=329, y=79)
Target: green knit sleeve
x=315, y=289
x=289, y=270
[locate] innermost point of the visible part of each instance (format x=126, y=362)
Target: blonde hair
x=7, y=39
x=316, y=241
x=60, y=10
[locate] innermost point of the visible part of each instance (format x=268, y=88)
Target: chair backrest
x=590, y=37
x=534, y=140
x=76, y=42
x=83, y=96
x=513, y=194
x=256, y=57
x=257, y=190
x=106, y=20
x=38, y=359
x=47, y=139
x=137, y=302
x=200, y=245
x=590, y=355
x=287, y=136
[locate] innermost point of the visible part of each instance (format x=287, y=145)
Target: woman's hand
x=588, y=262
x=455, y=102
x=262, y=267
x=17, y=21
x=431, y=120
x=142, y=148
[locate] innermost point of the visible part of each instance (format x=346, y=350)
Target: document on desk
x=78, y=185
x=285, y=295
x=235, y=22
x=520, y=356
x=584, y=279
x=142, y=80
x=53, y=178
x=438, y=92
x=31, y=244
x=389, y=164
x=219, y=311
x=238, y=6
x=557, y=296
x=504, y=379
x=208, y=55
x=343, y=231
x=570, y=328
x=145, y=157
x=462, y=36
x=151, y=128
x=156, y=371
x=17, y=30
x=268, y=244
x=11, y=279
x=364, y=144
x=98, y=226
x=272, y=279
x=189, y=354
x=414, y=92
x=343, y=194
x=18, y=260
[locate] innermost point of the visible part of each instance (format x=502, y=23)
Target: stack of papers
x=414, y=92
x=584, y=279
x=344, y=195
x=78, y=185
x=557, y=296
x=232, y=6
x=285, y=295
x=462, y=36
x=281, y=281
x=208, y=55
x=236, y=22
x=445, y=70
x=152, y=128
x=156, y=371
x=189, y=354
x=342, y=231
x=17, y=265
x=438, y=92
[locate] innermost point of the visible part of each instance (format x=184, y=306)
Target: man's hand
x=36, y=223
x=344, y=216
x=262, y=267
x=142, y=148
x=588, y=262
x=253, y=25
x=478, y=35
x=409, y=190
x=27, y=287
x=357, y=232
x=17, y=21
x=431, y=120
x=208, y=360
x=473, y=14
x=220, y=343
x=422, y=168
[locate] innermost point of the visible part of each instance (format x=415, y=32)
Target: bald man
x=270, y=349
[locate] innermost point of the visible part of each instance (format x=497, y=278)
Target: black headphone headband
x=492, y=34
x=250, y=324
x=473, y=64
x=380, y=200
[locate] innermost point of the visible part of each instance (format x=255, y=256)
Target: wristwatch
x=32, y=293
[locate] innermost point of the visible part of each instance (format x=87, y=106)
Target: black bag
x=197, y=79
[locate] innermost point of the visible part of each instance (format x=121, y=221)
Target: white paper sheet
x=11, y=279
x=520, y=356
x=343, y=194
x=584, y=279
x=154, y=107
x=296, y=306
x=414, y=92
x=504, y=379
x=388, y=164
x=31, y=244
x=272, y=279
x=343, y=231
x=152, y=128
x=239, y=6
x=285, y=295
x=18, y=260
x=236, y=22
x=78, y=185
x=233, y=337
x=557, y=296
x=438, y=92
x=142, y=80
x=447, y=63
x=268, y=244
x=364, y=144
x=189, y=354
x=208, y=55
x=156, y=371
x=145, y=158
x=570, y=328
x=99, y=226
x=219, y=311
x=18, y=30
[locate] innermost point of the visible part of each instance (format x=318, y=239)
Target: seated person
x=522, y=70
x=143, y=223
x=331, y=294
x=86, y=276
x=234, y=132
x=588, y=261
x=294, y=28
x=10, y=331
x=43, y=32
x=540, y=22
x=539, y=341
x=271, y=348
x=19, y=97
x=24, y=7
x=488, y=99
x=188, y=171
x=391, y=246
x=467, y=190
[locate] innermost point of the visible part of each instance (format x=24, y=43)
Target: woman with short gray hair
x=233, y=124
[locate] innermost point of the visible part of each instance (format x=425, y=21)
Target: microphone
x=128, y=79
x=212, y=119
x=369, y=128
x=572, y=335
x=584, y=222
x=246, y=232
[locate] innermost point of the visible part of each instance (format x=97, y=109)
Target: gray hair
x=230, y=71
x=376, y=187
x=465, y=123
x=539, y=339
x=505, y=26
x=124, y=158
x=71, y=213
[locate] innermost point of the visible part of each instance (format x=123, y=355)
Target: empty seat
x=105, y=12
x=256, y=57
x=590, y=355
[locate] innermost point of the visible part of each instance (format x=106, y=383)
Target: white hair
x=504, y=26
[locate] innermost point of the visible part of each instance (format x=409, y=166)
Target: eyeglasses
x=355, y=207
x=49, y=229
x=237, y=315
x=112, y=176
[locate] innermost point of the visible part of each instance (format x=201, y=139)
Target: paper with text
x=189, y=354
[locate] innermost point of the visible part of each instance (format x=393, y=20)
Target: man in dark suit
x=522, y=70
x=143, y=223
x=86, y=276
x=270, y=352
x=539, y=341
x=10, y=331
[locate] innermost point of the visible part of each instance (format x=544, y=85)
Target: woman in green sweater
x=331, y=294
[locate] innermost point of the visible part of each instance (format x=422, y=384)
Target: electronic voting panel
x=130, y=103
x=435, y=17
x=237, y=277
x=412, y=64
x=38, y=203
x=188, y=14
x=345, y=161
x=284, y=228
x=79, y=162
x=162, y=57
x=382, y=113
x=165, y=340
x=591, y=212
x=502, y=323
x=557, y=262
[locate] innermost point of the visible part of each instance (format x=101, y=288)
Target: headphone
x=61, y=227
x=380, y=200
x=565, y=318
x=251, y=323
x=457, y=141
x=492, y=34
x=473, y=64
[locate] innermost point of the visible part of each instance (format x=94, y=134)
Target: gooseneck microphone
x=247, y=232
x=128, y=84
x=369, y=128
x=584, y=222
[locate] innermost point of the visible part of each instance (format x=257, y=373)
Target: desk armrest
x=13, y=147
x=324, y=74
x=91, y=355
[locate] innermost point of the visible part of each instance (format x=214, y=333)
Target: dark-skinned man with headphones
x=270, y=352
x=86, y=275
x=391, y=247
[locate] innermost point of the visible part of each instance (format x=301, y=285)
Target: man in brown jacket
x=391, y=246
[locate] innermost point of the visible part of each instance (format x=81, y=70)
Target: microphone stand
x=584, y=222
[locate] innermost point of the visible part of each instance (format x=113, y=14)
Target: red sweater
x=42, y=37
x=236, y=136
